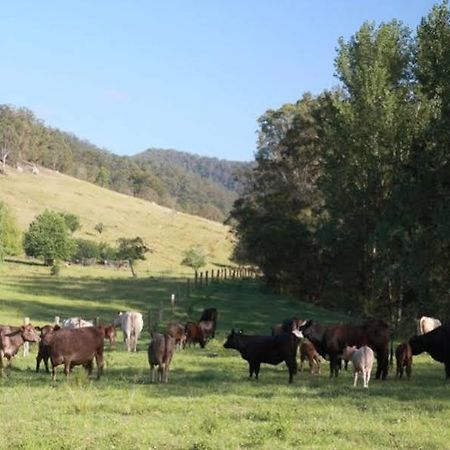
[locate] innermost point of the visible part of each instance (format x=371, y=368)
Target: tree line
x=188, y=183
x=349, y=203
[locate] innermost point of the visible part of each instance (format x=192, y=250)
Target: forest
x=349, y=203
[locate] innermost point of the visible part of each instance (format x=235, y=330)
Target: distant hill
x=167, y=232
x=197, y=185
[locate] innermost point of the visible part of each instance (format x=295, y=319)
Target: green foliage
x=10, y=235
x=86, y=250
x=55, y=270
x=48, y=238
x=72, y=221
x=194, y=257
x=132, y=250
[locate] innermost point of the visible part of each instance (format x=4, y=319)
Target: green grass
x=209, y=402
x=166, y=231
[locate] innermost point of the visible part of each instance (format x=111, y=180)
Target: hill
x=188, y=183
x=167, y=231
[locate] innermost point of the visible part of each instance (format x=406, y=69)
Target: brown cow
x=404, y=357
x=12, y=338
x=160, y=353
x=210, y=314
x=194, y=334
x=309, y=352
x=176, y=330
x=207, y=327
x=110, y=334
x=76, y=346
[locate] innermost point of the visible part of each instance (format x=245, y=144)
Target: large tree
x=48, y=238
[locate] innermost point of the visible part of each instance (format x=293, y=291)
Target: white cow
x=426, y=324
x=131, y=323
x=362, y=360
x=77, y=322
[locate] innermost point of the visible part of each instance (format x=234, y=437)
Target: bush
x=10, y=235
x=55, y=270
x=86, y=250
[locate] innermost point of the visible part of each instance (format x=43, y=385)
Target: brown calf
x=309, y=352
x=160, y=353
x=403, y=355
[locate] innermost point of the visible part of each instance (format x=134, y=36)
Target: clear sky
x=193, y=75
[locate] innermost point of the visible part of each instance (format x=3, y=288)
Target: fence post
x=196, y=279
x=172, y=303
x=201, y=279
x=225, y=274
x=26, y=345
x=212, y=275
x=206, y=278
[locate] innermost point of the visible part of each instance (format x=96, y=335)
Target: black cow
x=266, y=349
x=287, y=325
x=210, y=314
x=436, y=343
x=333, y=339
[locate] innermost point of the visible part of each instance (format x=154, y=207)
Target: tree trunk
x=132, y=268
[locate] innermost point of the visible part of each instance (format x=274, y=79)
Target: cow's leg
x=256, y=367
x=292, y=366
x=311, y=365
x=38, y=361
x=447, y=369
x=88, y=367
x=46, y=364
x=152, y=373
x=355, y=380
x=408, y=371
x=346, y=365
x=53, y=372
x=1, y=364
x=369, y=372
x=301, y=364
x=67, y=368
x=100, y=362
x=250, y=369
x=382, y=365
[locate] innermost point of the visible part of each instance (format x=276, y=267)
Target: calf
x=362, y=360
x=76, y=346
x=110, y=334
x=12, y=338
x=436, y=343
x=44, y=349
x=403, y=355
x=194, y=334
x=266, y=349
x=309, y=352
x=160, y=353
x=176, y=330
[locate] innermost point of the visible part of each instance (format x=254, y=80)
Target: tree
x=72, y=221
x=10, y=235
x=48, y=238
x=132, y=250
x=195, y=258
x=99, y=227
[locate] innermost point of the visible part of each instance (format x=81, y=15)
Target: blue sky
x=190, y=75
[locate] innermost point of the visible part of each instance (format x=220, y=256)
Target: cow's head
x=233, y=339
x=29, y=333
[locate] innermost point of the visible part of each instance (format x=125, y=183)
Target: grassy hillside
x=168, y=232
x=209, y=402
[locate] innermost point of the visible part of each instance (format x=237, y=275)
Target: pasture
x=209, y=403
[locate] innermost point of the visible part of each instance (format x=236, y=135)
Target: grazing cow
x=436, y=343
x=44, y=348
x=12, y=338
x=74, y=347
x=176, y=330
x=210, y=314
x=207, y=327
x=77, y=322
x=362, y=360
x=266, y=349
x=309, y=352
x=160, y=353
x=427, y=324
x=403, y=355
x=333, y=339
x=194, y=334
x=131, y=323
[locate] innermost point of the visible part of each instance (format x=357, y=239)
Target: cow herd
x=80, y=342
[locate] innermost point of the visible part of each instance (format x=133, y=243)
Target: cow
x=77, y=322
x=332, y=340
x=362, y=361
x=160, y=353
x=287, y=325
x=44, y=349
x=207, y=327
x=74, y=347
x=427, y=324
x=131, y=323
x=110, y=334
x=176, y=330
x=436, y=343
x=12, y=338
x=194, y=334
x=210, y=314
x=403, y=356
x=266, y=349
x=309, y=352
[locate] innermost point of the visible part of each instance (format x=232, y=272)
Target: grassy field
x=209, y=402
x=166, y=231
